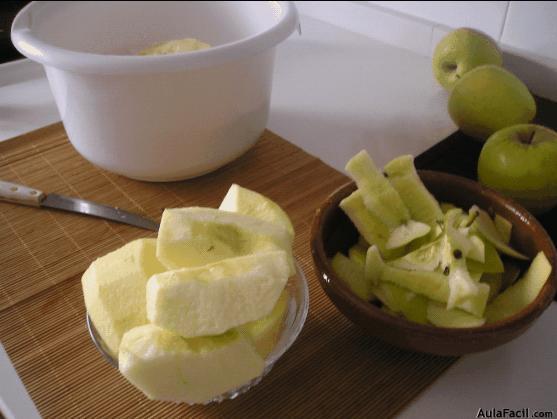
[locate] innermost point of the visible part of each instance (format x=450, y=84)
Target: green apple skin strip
x=518, y=296
x=438, y=315
x=487, y=229
x=353, y=275
x=420, y=202
x=426, y=261
x=378, y=194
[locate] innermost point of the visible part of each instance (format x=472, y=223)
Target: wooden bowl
x=332, y=231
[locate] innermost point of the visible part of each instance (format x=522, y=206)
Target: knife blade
x=20, y=194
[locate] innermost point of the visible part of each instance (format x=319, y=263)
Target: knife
x=19, y=194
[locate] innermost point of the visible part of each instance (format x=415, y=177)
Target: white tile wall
x=373, y=22
x=532, y=26
x=486, y=16
x=538, y=72
x=526, y=31
x=438, y=34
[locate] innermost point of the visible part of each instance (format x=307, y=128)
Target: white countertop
x=335, y=93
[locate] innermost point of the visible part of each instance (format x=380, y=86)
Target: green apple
x=461, y=51
x=519, y=161
x=489, y=98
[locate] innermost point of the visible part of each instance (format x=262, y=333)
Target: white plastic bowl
x=157, y=118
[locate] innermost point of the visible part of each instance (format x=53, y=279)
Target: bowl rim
x=333, y=285
x=32, y=46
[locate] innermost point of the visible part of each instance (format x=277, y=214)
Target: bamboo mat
x=333, y=370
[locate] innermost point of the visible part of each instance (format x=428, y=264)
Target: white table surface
x=335, y=93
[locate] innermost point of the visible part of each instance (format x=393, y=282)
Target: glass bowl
x=298, y=304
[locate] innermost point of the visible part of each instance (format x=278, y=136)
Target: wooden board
x=333, y=370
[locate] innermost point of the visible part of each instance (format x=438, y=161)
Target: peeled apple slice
x=487, y=229
x=263, y=333
x=211, y=299
x=420, y=202
x=378, y=194
x=518, y=296
x=406, y=233
x=168, y=367
x=247, y=202
x=114, y=289
x=353, y=275
x=438, y=315
x=190, y=237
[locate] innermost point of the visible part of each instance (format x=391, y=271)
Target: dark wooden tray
x=458, y=154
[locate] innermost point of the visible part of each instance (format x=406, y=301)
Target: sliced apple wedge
x=168, y=367
x=211, y=299
x=247, y=202
x=265, y=331
x=190, y=237
x=114, y=289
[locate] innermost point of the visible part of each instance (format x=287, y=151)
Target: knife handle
x=19, y=194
